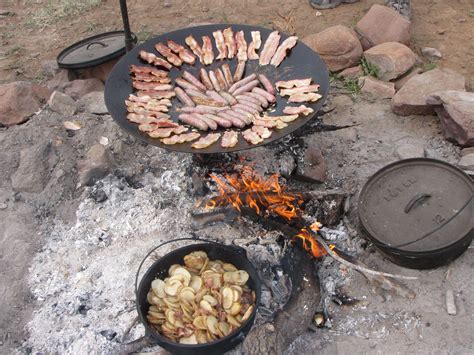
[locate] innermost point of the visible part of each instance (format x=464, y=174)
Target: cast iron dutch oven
x=231, y=254
x=418, y=212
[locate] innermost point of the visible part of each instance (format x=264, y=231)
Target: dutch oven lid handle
x=236, y=248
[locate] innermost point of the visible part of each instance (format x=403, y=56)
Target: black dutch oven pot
x=419, y=212
x=231, y=254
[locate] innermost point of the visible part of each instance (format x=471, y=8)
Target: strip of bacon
x=252, y=137
x=281, y=52
x=269, y=48
x=139, y=85
x=153, y=59
x=148, y=118
x=208, y=54
x=138, y=69
x=220, y=44
x=293, y=83
x=168, y=54
x=156, y=94
x=284, y=118
x=147, y=99
x=181, y=138
x=185, y=55
x=241, y=46
x=221, y=79
x=150, y=78
x=300, y=97
x=229, y=42
x=230, y=139
x=254, y=45
x=298, y=110
x=263, y=132
x=137, y=107
x=166, y=132
x=300, y=89
x=145, y=111
x=195, y=47
x=206, y=141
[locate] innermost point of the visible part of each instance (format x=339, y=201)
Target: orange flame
x=311, y=245
x=247, y=188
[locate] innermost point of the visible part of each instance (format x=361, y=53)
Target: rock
x=380, y=25
x=19, y=100
x=338, y=46
x=352, y=73
x=457, y=115
x=96, y=165
x=432, y=54
x=98, y=195
x=403, y=80
x=3, y=206
x=467, y=162
x=71, y=125
x=450, y=305
x=407, y=151
x=312, y=168
x=93, y=102
x=62, y=104
x=78, y=88
x=33, y=172
x=391, y=58
x=100, y=72
x=287, y=164
x=411, y=98
x=50, y=68
x=59, y=80
x=376, y=88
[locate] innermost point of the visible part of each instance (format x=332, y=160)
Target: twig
x=129, y=328
x=353, y=266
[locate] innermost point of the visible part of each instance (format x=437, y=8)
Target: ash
x=83, y=277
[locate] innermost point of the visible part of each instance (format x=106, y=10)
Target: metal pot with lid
x=418, y=212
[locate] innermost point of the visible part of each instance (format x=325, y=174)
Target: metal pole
x=126, y=26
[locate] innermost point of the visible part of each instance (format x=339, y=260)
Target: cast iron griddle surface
x=301, y=63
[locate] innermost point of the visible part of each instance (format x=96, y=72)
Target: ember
x=247, y=188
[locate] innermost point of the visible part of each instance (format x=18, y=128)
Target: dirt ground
x=30, y=36
x=27, y=39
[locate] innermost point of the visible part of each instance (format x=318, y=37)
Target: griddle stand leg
x=126, y=26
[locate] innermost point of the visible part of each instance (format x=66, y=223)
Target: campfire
x=267, y=197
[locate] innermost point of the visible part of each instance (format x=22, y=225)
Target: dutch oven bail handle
x=238, y=249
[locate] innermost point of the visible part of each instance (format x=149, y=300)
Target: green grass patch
x=430, y=66
x=368, y=68
x=51, y=11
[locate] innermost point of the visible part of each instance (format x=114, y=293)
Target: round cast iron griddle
x=301, y=62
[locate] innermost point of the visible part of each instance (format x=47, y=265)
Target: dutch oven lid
x=417, y=205
x=93, y=51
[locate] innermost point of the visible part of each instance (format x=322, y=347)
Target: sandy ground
x=385, y=323
x=27, y=38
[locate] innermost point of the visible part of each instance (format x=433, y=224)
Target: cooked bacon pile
x=218, y=98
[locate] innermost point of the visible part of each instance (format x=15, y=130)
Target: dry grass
x=49, y=11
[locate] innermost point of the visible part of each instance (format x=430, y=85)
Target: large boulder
x=411, y=98
x=20, y=100
x=391, y=58
x=78, y=88
x=456, y=114
x=382, y=24
x=338, y=46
